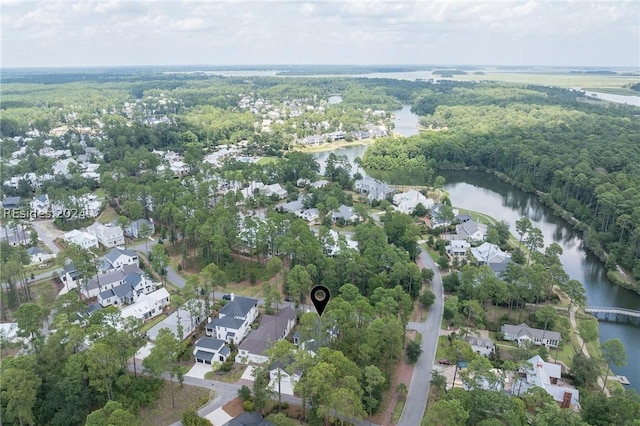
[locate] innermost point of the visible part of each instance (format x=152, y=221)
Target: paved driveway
x=219, y=417
x=198, y=370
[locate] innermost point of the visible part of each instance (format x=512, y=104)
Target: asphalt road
x=44, y=237
x=419, y=389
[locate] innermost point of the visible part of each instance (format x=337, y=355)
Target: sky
x=69, y=33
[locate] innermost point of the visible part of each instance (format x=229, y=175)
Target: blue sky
x=116, y=33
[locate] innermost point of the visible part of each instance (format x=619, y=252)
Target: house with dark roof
x=524, y=335
x=11, y=203
x=375, y=189
x=109, y=280
x=208, y=350
x=117, y=258
x=38, y=255
x=69, y=276
x=344, y=214
x=272, y=328
x=249, y=418
x=234, y=320
x=133, y=285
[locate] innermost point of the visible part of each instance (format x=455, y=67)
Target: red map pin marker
x=320, y=296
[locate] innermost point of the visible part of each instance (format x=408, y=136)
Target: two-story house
x=148, y=305
x=133, y=285
x=107, y=235
x=234, y=320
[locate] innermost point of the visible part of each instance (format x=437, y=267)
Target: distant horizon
x=280, y=66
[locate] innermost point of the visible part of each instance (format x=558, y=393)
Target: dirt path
x=585, y=352
x=403, y=374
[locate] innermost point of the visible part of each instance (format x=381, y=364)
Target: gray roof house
x=208, y=350
x=120, y=257
x=113, y=278
x=10, y=203
x=524, y=334
x=471, y=231
x=480, y=345
x=375, y=189
x=344, y=214
x=272, y=328
x=234, y=320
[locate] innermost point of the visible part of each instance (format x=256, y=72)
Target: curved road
x=418, y=391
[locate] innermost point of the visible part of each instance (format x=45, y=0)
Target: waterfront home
x=525, y=335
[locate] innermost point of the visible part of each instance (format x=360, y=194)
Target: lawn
x=229, y=377
x=442, y=345
x=162, y=412
x=266, y=160
x=108, y=215
x=397, y=412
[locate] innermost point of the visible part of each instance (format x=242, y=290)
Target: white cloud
x=114, y=32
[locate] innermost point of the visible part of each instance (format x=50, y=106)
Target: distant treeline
x=585, y=157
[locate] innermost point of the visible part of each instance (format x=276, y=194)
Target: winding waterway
x=485, y=193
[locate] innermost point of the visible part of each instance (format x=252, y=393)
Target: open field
x=331, y=146
x=162, y=413
x=592, y=81
x=266, y=160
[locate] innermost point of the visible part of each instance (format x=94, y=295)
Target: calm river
x=485, y=193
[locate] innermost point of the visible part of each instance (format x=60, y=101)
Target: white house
x=107, y=235
x=81, y=238
x=489, y=253
x=109, y=280
x=547, y=376
x=406, y=202
x=272, y=328
x=524, y=335
x=16, y=235
x=133, y=286
x=38, y=255
x=275, y=189
x=344, y=214
x=85, y=206
x=234, y=320
x=188, y=320
x=481, y=345
x=458, y=248
x=471, y=231
x=40, y=205
x=208, y=350
x=148, y=305
x=118, y=257
x=376, y=190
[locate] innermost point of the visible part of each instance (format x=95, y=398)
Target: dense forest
x=583, y=157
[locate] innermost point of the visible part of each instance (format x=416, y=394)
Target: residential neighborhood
x=168, y=239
